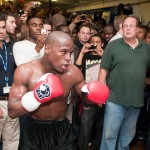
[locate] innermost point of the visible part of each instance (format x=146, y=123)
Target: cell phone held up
x=83, y=17
x=21, y=12
x=92, y=47
x=43, y=31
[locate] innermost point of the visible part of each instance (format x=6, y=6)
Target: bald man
x=57, y=20
x=46, y=127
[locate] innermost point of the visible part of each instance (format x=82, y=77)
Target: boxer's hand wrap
x=96, y=92
x=48, y=87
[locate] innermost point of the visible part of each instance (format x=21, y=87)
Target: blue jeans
x=119, y=126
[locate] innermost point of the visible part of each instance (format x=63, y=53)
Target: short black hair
x=97, y=35
x=31, y=17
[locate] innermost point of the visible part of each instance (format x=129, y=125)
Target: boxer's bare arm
x=78, y=86
x=90, y=90
x=18, y=89
x=80, y=81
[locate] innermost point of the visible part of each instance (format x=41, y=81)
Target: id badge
x=6, y=89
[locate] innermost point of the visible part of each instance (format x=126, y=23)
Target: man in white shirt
x=118, y=26
x=31, y=48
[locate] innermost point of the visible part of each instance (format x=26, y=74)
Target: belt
x=3, y=98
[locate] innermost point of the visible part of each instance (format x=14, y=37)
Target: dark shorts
x=47, y=135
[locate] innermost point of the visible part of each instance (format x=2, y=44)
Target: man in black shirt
x=92, y=115
x=84, y=35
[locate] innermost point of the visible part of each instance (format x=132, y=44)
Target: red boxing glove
x=96, y=92
x=48, y=87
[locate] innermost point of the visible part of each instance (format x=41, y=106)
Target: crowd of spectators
x=25, y=39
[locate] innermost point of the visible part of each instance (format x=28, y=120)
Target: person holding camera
x=32, y=47
x=92, y=115
x=77, y=20
x=23, y=16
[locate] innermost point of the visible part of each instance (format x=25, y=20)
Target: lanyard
x=5, y=63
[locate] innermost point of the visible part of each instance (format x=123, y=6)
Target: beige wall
x=143, y=11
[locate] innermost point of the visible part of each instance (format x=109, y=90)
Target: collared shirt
x=117, y=36
x=127, y=71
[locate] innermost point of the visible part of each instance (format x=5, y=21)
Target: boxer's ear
x=47, y=48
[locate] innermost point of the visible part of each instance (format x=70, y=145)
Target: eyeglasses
x=129, y=26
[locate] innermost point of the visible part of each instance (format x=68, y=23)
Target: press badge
x=6, y=89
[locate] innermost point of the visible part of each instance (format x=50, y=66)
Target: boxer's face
x=60, y=55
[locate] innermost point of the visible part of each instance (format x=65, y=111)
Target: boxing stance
x=41, y=88
x=49, y=87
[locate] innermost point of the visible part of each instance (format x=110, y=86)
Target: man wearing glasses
x=123, y=67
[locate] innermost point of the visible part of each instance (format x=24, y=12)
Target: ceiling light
x=8, y=0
